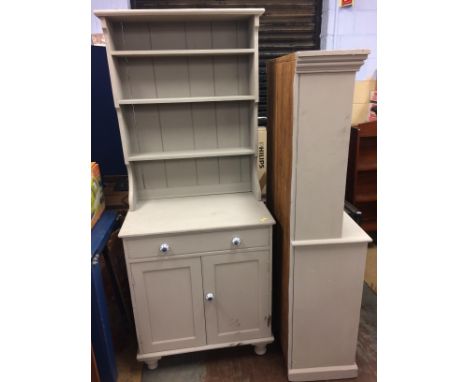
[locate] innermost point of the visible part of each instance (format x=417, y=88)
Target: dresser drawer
x=152, y=246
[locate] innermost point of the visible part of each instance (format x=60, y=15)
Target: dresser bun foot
x=260, y=349
x=153, y=364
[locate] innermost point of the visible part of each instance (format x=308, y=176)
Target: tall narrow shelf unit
x=321, y=250
x=197, y=237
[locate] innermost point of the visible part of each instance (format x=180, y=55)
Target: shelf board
x=367, y=197
x=142, y=101
x=370, y=166
x=189, y=154
x=181, y=52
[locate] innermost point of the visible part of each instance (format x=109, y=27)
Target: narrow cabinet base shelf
x=259, y=345
x=323, y=373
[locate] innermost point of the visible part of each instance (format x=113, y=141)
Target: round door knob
x=236, y=241
x=164, y=248
x=209, y=296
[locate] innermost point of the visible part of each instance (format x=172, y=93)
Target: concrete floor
x=240, y=364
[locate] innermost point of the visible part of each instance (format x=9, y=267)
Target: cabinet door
x=169, y=304
x=240, y=308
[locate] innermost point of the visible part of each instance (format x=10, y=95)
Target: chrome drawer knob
x=164, y=248
x=209, y=296
x=236, y=241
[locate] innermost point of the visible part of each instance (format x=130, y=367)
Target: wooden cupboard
x=361, y=180
x=319, y=249
x=197, y=237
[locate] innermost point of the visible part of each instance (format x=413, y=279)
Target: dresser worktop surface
x=198, y=213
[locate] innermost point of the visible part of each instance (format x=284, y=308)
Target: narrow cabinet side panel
x=280, y=130
x=324, y=123
x=327, y=294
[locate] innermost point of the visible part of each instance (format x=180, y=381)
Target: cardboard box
x=262, y=158
x=97, y=194
x=373, y=106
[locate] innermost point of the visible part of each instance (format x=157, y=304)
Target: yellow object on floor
x=97, y=195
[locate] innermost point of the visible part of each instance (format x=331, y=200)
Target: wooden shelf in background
x=361, y=180
x=367, y=197
x=369, y=226
x=367, y=166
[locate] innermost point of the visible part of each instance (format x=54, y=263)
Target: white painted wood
x=322, y=153
x=137, y=77
x=260, y=349
x=190, y=255
x=205, y=125
x=350, y=231
x=113, y=70
x=189, y=188
x=149, y=246
x=179, y=35
x=200, y=77
x=169, y=301
x=208, y=172
x=187, y=14
x=197, y=213
x=131, y=187
x=181, y=177
x=157, y=129
x=183, y=76
x=240, y=283
x=185, y=87
x=179, y=57
x=323, y=92
x=327, y=249
x=182, y=52
x=153, y=364
x=192, y=154
x=228, y=125
x=176, y=128
x=150, y=356
x=325, y=296
x=254, y=140
x=323, y=373
x=138, y=101
x=254, y=26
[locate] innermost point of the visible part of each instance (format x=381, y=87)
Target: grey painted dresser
x=197, y=237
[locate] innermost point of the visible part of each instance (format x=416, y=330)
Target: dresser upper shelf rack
x=185, y=87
